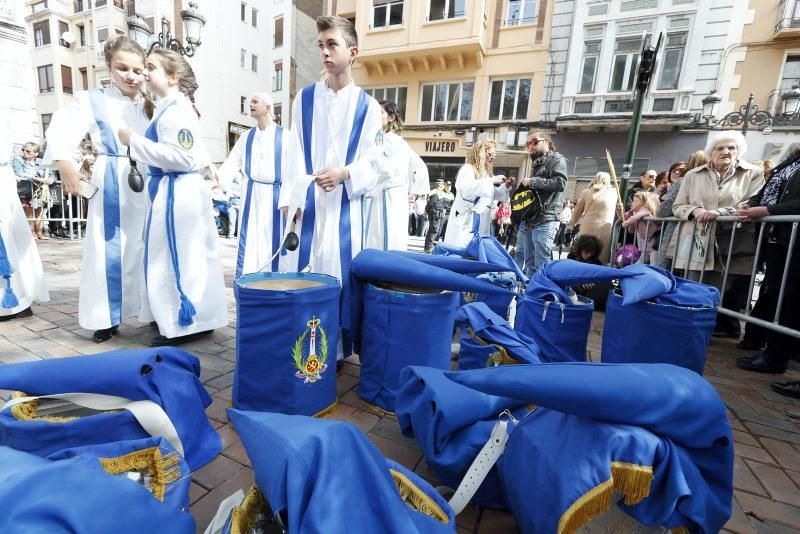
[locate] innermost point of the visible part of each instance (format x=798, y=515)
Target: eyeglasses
x=533, y=141
x=28, y=151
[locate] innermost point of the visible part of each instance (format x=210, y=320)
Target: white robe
x=196, y=237
x=473, y=196
x=255, y=237
x=402, y=173
x=27, y=280
x=112, y=285
x=329, y=150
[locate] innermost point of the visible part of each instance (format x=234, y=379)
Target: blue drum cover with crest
x=286, y=344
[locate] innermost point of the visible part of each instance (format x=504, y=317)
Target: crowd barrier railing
x=700, y=250
x=66, y=212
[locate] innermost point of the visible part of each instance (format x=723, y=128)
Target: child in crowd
x=587, y=249
x=644, y=204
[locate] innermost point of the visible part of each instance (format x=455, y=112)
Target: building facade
x=460, y=70
x=17, y=103
x=592, y=70
x=766, y=64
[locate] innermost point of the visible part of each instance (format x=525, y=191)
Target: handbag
x=25, y=189
x=743, y=245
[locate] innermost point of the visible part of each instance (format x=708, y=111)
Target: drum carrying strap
x=152, y=417
x=481, y=466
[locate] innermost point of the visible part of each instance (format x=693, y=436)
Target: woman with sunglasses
x=33, y=182
x=21, y=276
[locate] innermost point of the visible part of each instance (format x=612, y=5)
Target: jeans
x=536, y=244
x=422, y=225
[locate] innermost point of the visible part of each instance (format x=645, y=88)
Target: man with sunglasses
x=547, y=183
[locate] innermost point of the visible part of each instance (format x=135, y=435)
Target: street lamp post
x=749, y=115
x=193, y=23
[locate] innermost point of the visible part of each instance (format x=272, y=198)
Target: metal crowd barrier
x=629, y=237
x=66, y=210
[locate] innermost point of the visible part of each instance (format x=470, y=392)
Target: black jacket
x=549, y=180
x=788, y=204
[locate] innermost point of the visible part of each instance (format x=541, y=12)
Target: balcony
x=788, y=25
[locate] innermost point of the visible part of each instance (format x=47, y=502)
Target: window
x=277, y=80
x=583, y=107
x=387, y=13
x=39, y=6
x=63, y=28
x=278, y=41
x=672, y=61
x=254, y=20
x=509, y=99
x=446, y=9
x=82, y=35
x=277, y=110
x=80, y=5
x=41, y=33
x=46, y=84
x=66, y=79
x=84, y=78
x=521, y=12
x=242, y=104
x=663, y=104
x=791, y=73
x=447, y=101
x=591, y=55
x=392, y=94
x=105, y=83
x=254, y=63
x=244, y=58
x=619, y=106
x=626, y=55
x=46, y=118
x=243, y=14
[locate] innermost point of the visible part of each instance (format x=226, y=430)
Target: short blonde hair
x=697, y=159
x=601, y=180
x=30, y=145
x=650, y=201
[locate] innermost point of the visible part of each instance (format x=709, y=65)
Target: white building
x=593, y=58
x=17, y=104
x=250, y=47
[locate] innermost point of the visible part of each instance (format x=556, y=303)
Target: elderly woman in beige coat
x=596, y=205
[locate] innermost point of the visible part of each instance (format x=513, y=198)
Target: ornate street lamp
x=193, y=23
x=748, y=116
x=791, y=101
x=710, y=104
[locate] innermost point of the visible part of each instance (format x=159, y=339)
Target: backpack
x=526, y=205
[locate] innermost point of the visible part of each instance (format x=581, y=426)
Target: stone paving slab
x=767, y=439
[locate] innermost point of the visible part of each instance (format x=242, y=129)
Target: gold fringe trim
x=162, y=469
x=245, y=516
x=680, y=530
x=324, y=414
x=410, y=493
x=500, y=357
x=29, y=411
x=632, y=480
x=377, y=410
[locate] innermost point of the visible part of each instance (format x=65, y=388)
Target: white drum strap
x=152, y=417
x=224, y=511
x=480, y=467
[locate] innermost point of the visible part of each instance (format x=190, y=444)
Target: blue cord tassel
x=9, y=299
x=187, y=312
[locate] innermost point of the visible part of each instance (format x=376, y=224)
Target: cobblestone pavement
x=767, y=470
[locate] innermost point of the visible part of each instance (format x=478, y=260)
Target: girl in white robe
x=111, y=287
x=262, y=154
x=403, y=173
x=183, y=269
x=475, y=193
x=21, y=276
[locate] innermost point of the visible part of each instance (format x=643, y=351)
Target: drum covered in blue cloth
x=286, y=338
x=680, y=334
x=402, y=326
x=560, y=329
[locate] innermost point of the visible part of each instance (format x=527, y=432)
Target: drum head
x=282, y=284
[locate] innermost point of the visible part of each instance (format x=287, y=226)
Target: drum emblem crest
x=309, y=360
x=469, y=297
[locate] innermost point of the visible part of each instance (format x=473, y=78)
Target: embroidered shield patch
x=379, y=138
x=185, y=139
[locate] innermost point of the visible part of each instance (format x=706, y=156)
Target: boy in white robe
x=262, y=155
x=21, y=277
x=334, y=158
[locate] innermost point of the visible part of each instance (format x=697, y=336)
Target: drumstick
x=613, y=173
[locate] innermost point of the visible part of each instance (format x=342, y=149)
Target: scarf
x=773, y=188
x=724, y=176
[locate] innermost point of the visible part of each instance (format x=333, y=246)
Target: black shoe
x=725, y=333
x=790, y=389
x=761, y=363
x=162, y=341
x=27, y=312
x=339, y=366
x=749, y=345
x=103, y=335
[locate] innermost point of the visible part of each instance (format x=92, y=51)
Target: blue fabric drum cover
x=402, y=326
x=559, y=329
x=286, y=338
x=680, y=334
x=499, y=304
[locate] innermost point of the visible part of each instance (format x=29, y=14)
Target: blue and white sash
x=277, y=224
